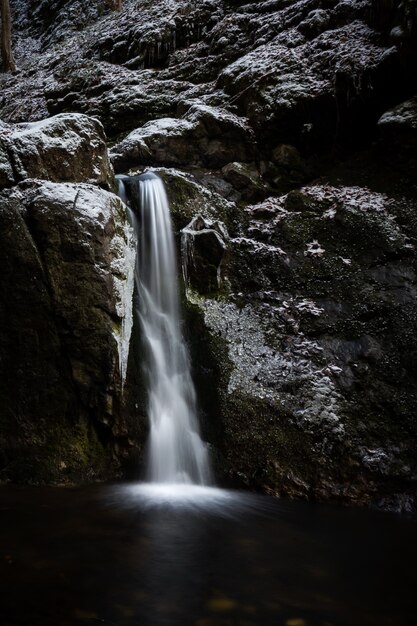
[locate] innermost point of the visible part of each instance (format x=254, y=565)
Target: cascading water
x=176, y=453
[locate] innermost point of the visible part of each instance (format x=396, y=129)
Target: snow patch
x=314, y=249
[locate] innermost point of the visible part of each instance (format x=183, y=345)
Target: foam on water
x=175, y=494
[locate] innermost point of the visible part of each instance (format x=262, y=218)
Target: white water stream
x=176, y=452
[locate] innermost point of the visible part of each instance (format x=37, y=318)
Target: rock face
x=203, y=249
x=67, y=255
x=203, y=136
x=398, y=133
x=304, y=351
x=320, y=286
x=67, y=147
x=285, y=132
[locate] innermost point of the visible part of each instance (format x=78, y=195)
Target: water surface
x=133, y=555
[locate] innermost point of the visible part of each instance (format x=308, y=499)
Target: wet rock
x=85, y=228
x=203, y=250
x=320, y=284
x=6, y=170
x=188, y=197
x=321, y=401
x=68, y=258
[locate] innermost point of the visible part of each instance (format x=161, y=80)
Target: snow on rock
x=204, y=135
x=314, y=249
x=281, y=82
x=262, y=371
x=67, y=147
x=188, y=197
x=398, y=129
x=384, y=461
x=403, y=115
x=89, y=252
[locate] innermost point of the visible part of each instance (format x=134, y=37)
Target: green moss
x=264, y=449
x=59, y=453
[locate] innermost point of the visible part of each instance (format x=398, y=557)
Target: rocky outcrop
x=398, y=134
x=67, y=255
x=203, y=249
x=316, y=399
x=205, y=136
x=67, y=147
x=309, y=93
x=300, y=305
x=304, y=73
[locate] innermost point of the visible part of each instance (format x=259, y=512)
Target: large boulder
x=67, y=147
x=205, y=135
x=398, y=134
x=67, y=255
x=203, y=250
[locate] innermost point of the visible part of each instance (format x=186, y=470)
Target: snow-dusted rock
x=398, y=131
x=286, y=87
x=403, y=117
x=322, y=281
x=203, y=250
x=319, y=283
x=87, y=247
x=67, y=256
x=68, y=147
x=204, y=135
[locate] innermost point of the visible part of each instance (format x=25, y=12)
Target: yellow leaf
x=222, y=604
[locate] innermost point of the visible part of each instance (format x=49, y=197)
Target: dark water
x=111, y=556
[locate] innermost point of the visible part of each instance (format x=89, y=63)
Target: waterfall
x=176, y=453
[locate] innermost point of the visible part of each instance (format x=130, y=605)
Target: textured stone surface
x=67, y=147
x=203, y=136
x=304, y=355
x=67, y=256
x=316, y=397
x=203, y=250
x=398, y=133
x=306, y=71
x=6, y=171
